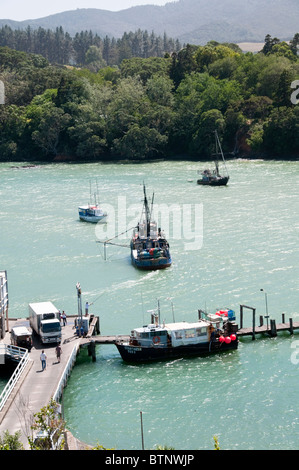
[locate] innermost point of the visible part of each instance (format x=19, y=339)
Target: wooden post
x=283, y=317
x=273, y=331
x=253, y=323
x=241, y=317
x=291, y=326
x=97, y=328
x=92, y=350
x=261, y=320
x=141, y=424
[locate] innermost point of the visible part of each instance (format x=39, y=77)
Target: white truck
x=45, y=322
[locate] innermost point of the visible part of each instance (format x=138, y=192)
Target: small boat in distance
x=156, y=341
x=92, y=212
x=149, y=248
x=213, y=178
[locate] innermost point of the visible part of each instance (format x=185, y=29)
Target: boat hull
x=151, y=264
x=139, y=354
x=93, y=219
x=214, y=182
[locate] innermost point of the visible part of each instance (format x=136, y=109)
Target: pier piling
x=273, y=331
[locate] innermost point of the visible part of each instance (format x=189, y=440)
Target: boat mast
x=147, y=213
x=218, y=146
x=96, y=195
x=216, y=154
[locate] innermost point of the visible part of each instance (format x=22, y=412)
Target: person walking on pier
x=58, y=352
x=43, y=359
x=63, y=316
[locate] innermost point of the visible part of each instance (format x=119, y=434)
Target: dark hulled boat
x=212, y=334
x=213, y=178
x=149, y=247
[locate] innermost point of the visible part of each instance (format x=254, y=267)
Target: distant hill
x=190, y=21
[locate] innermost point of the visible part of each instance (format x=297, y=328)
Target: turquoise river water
x=227, y=243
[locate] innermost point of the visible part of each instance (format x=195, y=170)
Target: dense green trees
x=86, y=48
x=150, y=107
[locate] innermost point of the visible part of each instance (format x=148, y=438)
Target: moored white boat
x=92, y=212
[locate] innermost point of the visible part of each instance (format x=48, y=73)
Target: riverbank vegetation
x=146, y=107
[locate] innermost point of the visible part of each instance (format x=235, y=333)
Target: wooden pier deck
x=267, y=330
x=271, y=328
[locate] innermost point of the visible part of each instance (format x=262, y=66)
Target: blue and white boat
x=92, y=212
x=149, y=247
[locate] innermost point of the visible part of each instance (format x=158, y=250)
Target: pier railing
x=18, y=354
x=67, y=370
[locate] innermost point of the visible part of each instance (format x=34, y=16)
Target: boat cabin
x=173, y=334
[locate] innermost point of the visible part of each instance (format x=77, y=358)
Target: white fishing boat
x=92, y=212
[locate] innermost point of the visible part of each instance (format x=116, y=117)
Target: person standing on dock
x=87, y=305
x=43, y=359
x=58, y=352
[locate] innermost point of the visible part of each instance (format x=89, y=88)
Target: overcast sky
x=30, y=9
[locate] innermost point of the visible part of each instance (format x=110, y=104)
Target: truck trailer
x=45, y=322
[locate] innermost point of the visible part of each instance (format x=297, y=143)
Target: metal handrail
x=67, y=370
x=18, y=353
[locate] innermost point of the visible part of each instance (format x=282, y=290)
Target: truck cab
x=45, y=322
x=21, y=336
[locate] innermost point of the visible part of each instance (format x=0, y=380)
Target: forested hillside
x=189, y=21
x=152, y=107
x=86, y=48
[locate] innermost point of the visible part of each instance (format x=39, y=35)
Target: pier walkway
x=36, y=387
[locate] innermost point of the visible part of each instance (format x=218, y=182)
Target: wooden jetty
x=270, y=329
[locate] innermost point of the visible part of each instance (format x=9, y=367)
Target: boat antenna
x=158, y=311
x=170, y=298
x=152, y=205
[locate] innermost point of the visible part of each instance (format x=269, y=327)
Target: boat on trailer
x=211, y=333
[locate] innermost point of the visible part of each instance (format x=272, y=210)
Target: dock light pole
x=266, y=301
x=78, y=287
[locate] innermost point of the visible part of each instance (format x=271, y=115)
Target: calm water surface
x=249, y=397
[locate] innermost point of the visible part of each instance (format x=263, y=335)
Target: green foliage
x=216, y=443
x=11, y=441
x=84, y=49
x=49, y=428
x=149, y=107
